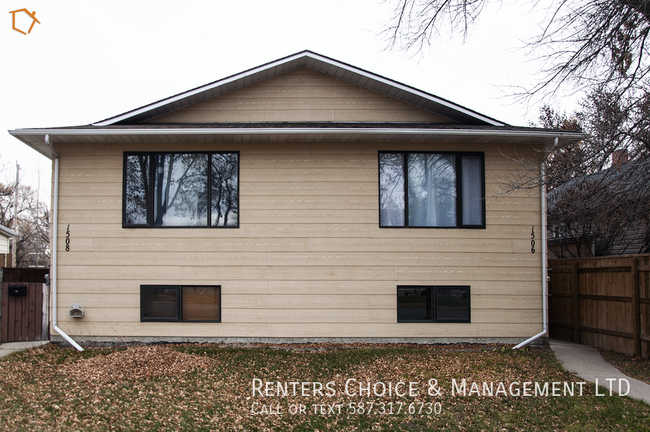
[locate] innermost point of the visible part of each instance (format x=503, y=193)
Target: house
x=6, y=235
x=602, y=214
x=302, y=200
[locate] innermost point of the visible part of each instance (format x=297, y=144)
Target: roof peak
x=317, y=62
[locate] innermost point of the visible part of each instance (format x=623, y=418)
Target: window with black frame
x=431, y=190
x=439, y=304
x=181, y=190
x=180, y=303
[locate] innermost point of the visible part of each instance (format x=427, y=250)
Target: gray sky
x=89, y=60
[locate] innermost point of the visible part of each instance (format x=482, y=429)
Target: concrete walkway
x=588, y=364
x=8, y=347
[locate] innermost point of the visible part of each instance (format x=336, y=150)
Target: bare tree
x=599, y=200
x=416, y=22
x=568, y=162
x=586, y=44
x=600, y=187
x=33, y=245
x=33, y=226
x=597, y=46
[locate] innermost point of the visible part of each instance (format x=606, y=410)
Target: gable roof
x=318, y=63
x=466, y=125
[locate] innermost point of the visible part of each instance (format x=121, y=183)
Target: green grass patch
x=338, y=388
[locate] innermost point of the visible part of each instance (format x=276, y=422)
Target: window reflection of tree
x=432, y=190
x=392, y=189
x=224, y=189
x=137, y=186
x=182, y=189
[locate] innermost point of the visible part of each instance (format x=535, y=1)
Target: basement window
x=439, y=304
x=187, y=303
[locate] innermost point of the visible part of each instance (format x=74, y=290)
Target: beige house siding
x=308, y=259
x=4, y=244
x=301, y=95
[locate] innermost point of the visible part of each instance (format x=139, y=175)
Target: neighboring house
x=304, y=199
x=602, y=214
x=6, y=235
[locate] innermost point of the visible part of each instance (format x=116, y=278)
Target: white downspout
x=544, y=260
x=55, y=232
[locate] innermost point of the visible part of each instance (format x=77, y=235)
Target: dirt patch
x=136, y=363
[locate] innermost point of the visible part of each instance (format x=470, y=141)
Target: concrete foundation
x=144, y=340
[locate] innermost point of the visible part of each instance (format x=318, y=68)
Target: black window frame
x=150, y=207
x=432, y=298
x=459, y=189
x=179, y=303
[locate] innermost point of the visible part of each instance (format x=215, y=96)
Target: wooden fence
x=24, y=304
x=602, y=302
x=22, y=312
x=20, y=274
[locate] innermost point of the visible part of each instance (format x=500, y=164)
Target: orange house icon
x=32, y=15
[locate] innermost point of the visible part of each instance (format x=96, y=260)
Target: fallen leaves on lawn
x=136, y=363
x=635, y=367
x=210, y=387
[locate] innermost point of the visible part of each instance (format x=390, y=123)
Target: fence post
x=575, y=284
x=636, y=308
x=45, y=323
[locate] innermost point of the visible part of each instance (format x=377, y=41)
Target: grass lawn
x=635, y=367
x=328, y=387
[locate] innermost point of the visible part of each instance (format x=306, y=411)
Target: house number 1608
x=67, y=240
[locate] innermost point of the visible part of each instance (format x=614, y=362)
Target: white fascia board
x=295, y=131
x=270, y=66
x=8, y=232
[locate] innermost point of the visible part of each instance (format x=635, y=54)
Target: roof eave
x=35, y=138
x=8, y=232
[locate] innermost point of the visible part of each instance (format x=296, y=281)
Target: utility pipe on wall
x=544, y=259
x=55, y=233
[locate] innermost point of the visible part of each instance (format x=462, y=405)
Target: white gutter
x=55, y=232
x=290, y=131
x=544, y=262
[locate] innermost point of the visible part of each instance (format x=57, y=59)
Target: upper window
x=181, y=190
x=431, y=190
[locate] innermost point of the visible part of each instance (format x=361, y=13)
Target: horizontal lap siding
x=300, y=95
x=308, y=260
x=4, y=245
